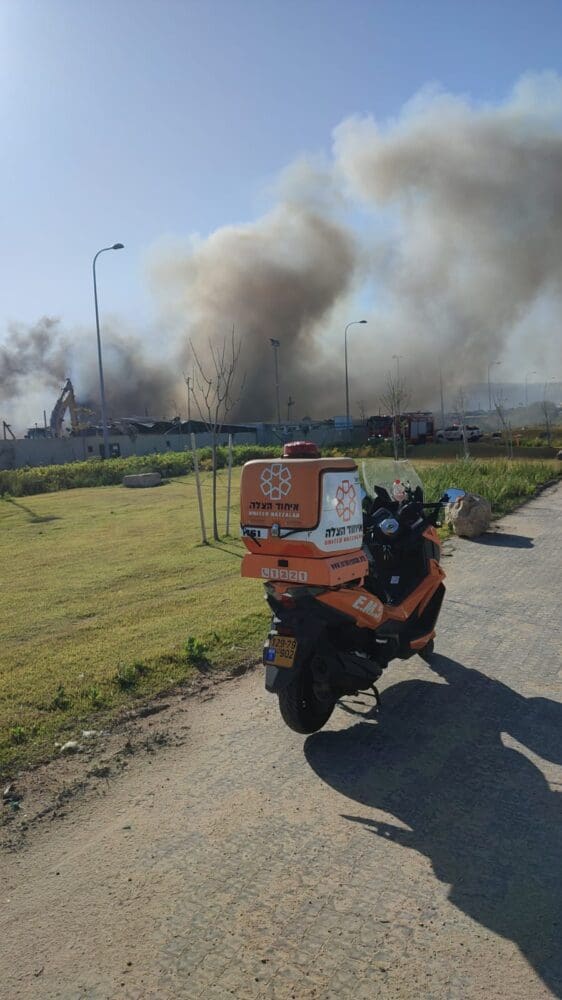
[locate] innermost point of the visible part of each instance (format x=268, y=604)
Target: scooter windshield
x=394, y=476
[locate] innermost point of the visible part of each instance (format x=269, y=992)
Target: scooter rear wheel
x=300, y=709
x=427, y=652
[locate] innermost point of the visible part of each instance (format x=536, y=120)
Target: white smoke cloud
x=442, y=227
x=477, y=191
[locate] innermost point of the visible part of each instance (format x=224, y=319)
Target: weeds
x=95, y=696
x=129, y=674
x=61, y=701
x=505, y=483
x=195, y=652
x=18, y=735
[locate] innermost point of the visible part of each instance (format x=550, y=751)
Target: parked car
x=473, y=433
x=454, y=433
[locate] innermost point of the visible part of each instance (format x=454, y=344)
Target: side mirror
x=452, y=494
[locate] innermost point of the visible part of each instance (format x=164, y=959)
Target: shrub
x=128, y=675
x=18, y=735
x=95, y=696
x=503, y=482
x=61, y=700
x=195, y=651
x=96, y=472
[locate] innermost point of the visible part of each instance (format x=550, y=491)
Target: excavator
x=66, y=401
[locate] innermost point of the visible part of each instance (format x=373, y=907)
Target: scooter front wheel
x=300, y=708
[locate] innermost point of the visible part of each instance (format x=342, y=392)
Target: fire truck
x=416, y=427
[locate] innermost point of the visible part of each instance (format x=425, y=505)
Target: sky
x=148, y=121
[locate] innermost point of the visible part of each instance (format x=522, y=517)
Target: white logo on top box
x=275, y=481
x=341, y=517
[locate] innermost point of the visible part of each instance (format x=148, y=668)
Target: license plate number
x=281, y=651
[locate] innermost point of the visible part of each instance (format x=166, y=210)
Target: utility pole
x=526, y=387
x=490, y=384
x=355, y=322
x=116, y=246
x=188, y=380
x=442, y=402
x=276, y=344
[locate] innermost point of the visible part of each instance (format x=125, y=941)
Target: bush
x=96, y=472
x=505, y=483
x=195, y=652
x=128, y=675
x=18, y=735
x=61, y=701
x=95, y=696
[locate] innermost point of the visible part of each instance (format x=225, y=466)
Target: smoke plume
x=39, y=351
x=136, y=383
x=276, y=278
x=476, y=254
x=453, y=232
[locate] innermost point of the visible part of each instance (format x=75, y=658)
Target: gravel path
x=416, y=853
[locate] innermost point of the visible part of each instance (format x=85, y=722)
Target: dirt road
x=414, y=853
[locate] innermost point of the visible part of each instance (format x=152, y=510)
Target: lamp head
x=118, y=246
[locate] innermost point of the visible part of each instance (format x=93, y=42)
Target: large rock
x=143, y=479
x=470, y=515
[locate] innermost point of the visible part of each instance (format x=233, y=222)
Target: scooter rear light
x=286, y=600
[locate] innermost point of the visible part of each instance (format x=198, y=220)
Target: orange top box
x=299, y=516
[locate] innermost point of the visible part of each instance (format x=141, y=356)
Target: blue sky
x=135, y=121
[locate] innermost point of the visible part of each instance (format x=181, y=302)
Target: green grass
x=103, y=590
x=504, y=483
x=108, y=596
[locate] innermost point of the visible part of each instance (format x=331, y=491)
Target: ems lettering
x=368, y=607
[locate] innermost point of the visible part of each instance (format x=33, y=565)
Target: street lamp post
x=442, y=399
x=398, y=399
x=116, y=246
x=355, y=322
x=492, y=363
x=276, y=344
x=526, y=392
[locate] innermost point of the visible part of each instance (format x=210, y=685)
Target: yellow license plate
x=281, y=651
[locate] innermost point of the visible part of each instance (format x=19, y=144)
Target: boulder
x=143, y=479
x=470, y=515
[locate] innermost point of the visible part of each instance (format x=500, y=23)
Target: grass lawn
x=107, y=595
x=102, y=589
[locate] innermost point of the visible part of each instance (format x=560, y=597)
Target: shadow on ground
x=32, y=517
x=482, y=812
x=503, y=540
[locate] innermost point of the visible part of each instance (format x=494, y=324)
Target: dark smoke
x=36, y=361
x=37, y=352
x=460, y=250
x=277, y=278
x=136, y=384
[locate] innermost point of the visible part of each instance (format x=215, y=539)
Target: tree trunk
x=229, y=485
x=216, y=535
x=198, y=485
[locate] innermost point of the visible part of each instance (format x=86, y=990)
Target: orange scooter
x=351, y=574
